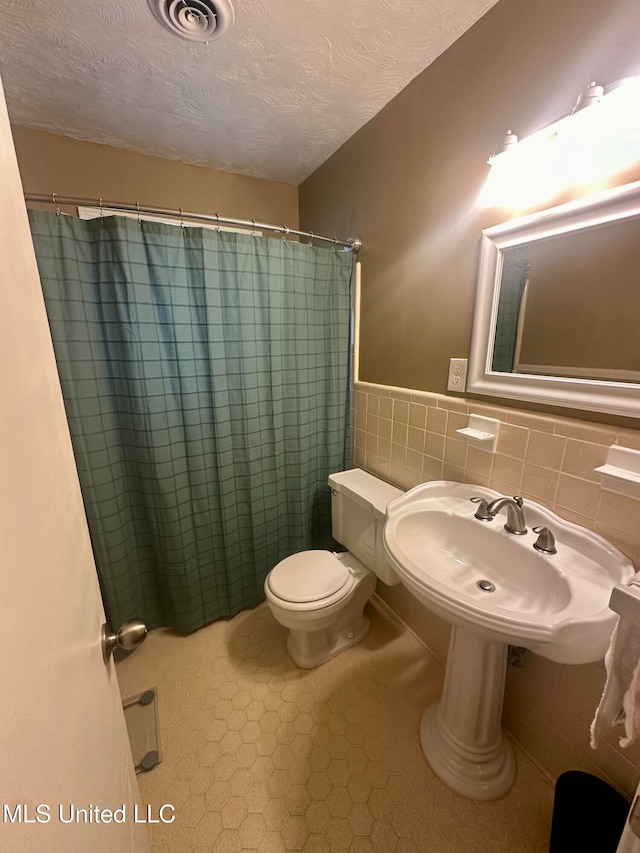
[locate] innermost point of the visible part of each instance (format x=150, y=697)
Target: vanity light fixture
x=508, y=142
x=599, y=138
x=589, y=97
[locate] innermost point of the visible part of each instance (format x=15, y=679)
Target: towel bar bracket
x=625, y=600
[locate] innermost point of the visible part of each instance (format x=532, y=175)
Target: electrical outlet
x=457, y=375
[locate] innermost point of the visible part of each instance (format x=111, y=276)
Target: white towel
x=620, y=702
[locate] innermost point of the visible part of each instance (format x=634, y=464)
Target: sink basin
x=553, y=604
x=459, y=554
x=496, y=590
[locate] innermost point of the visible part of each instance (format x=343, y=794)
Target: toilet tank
x=358, y=506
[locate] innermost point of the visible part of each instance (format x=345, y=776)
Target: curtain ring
x=54, y=199
x=310, y=243
x=286, y=233
x=218, y=224
x=101, y=210
x=138, y=209
x=335, y=243
x=253, y=228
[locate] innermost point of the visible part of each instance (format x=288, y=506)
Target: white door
x=64, y=751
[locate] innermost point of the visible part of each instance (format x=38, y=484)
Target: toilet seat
x=310, y=579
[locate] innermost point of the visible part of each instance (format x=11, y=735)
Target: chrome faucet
x=515, y=515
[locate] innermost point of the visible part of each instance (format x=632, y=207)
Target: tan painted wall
x=50, y=163
x=407, y=182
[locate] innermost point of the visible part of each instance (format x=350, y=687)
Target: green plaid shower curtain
x=206, y=381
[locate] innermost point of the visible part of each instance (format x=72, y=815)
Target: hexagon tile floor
x=260, y=755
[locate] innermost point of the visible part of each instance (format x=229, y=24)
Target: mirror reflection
x=569, y=304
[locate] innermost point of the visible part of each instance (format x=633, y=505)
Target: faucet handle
x=482, y=513
x=518, y=500
x=545, y=543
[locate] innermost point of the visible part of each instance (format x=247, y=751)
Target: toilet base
x=317, y=633
x=309, y=649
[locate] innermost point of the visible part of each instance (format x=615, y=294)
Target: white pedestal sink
x=553, y=604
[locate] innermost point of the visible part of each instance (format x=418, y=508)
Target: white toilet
x=320, y=596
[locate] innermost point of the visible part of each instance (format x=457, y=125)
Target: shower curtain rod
x=351, y=244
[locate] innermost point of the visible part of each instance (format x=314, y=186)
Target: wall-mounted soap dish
x=481, y=432
x=621, y=471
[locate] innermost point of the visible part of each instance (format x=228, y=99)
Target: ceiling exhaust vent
x=196, y=20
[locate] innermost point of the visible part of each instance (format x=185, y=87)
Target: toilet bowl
x=320, y=598
x=319, y=595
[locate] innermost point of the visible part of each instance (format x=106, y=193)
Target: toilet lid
x=308, y=576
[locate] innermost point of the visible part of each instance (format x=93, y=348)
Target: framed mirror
x=557, y=315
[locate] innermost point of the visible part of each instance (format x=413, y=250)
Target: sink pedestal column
x=461, y=734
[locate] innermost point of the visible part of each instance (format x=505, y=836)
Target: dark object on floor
x=588, y=815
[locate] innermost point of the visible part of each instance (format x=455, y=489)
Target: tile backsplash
x=408, y=437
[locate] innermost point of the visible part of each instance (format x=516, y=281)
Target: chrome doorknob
x=129, y=635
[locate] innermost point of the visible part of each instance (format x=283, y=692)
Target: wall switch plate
x=457, y=375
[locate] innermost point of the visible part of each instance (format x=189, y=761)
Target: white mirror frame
x=620, y=398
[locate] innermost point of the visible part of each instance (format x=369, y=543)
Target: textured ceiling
x=272, y=98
